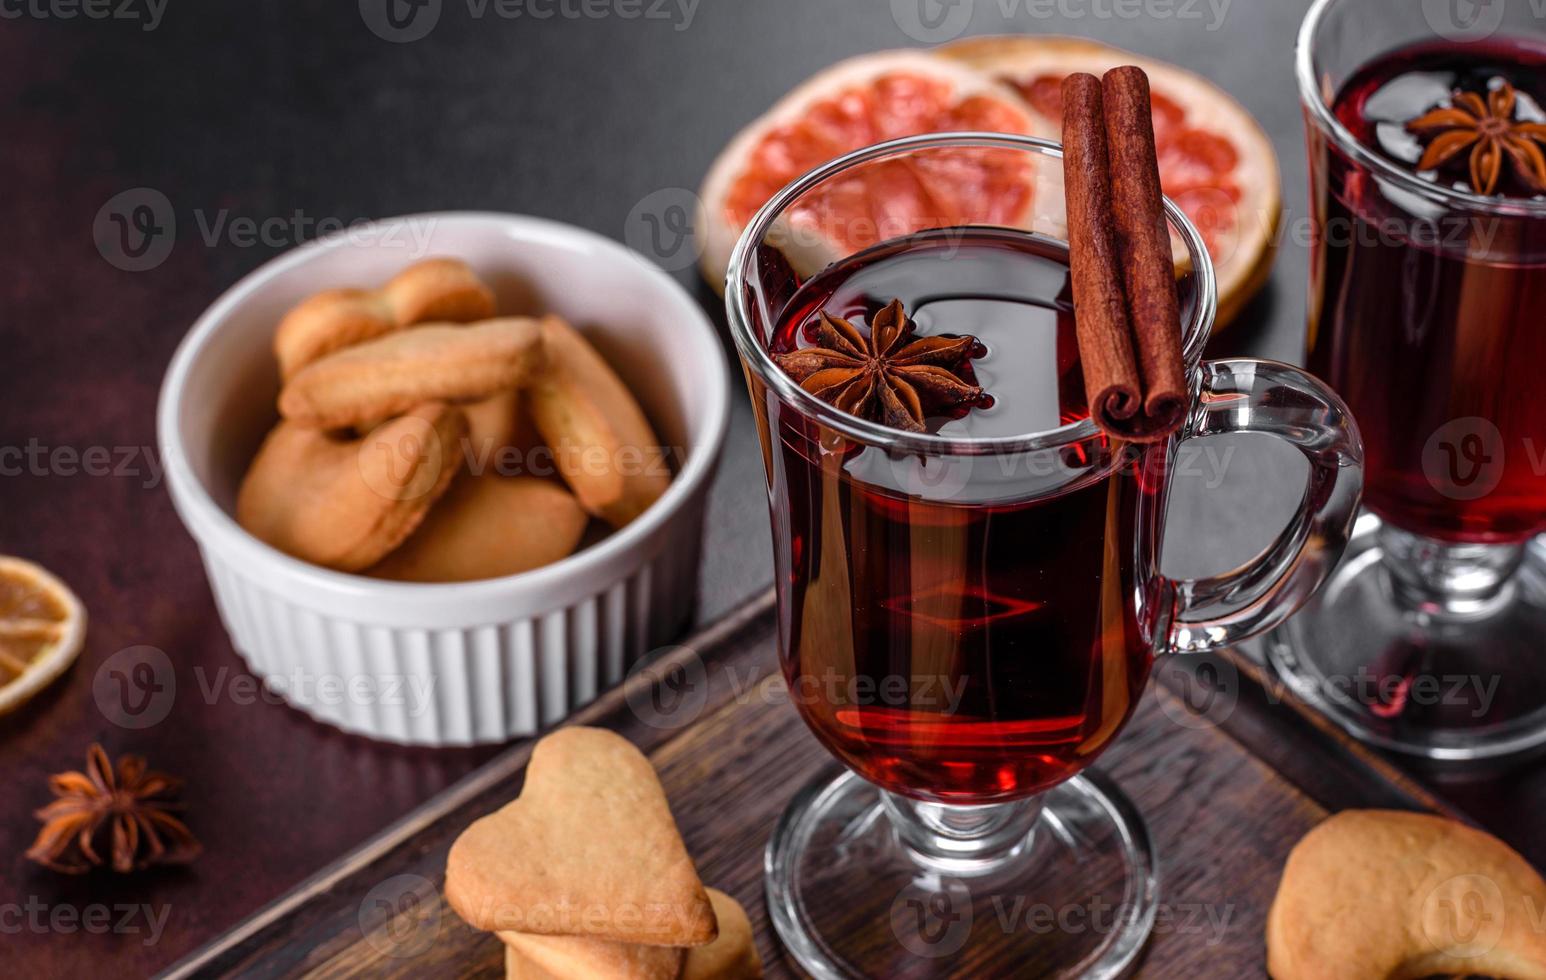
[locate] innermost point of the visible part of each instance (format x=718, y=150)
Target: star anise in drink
x=128, y=809
x=892, y=376
x=1486, y=127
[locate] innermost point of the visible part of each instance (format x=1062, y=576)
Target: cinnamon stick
x=1143, y=242
x=1112, y=384
x=1126, y=313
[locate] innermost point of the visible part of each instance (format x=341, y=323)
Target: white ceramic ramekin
x=467, y=663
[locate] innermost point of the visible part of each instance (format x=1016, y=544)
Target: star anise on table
x=131, y=806
x=889, y=377
x=1487, y=127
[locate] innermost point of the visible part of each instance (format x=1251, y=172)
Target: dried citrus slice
x=853, y=104
x=42, y=625
x=1215, y=161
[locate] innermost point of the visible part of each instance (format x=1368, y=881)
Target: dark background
x=293, y=113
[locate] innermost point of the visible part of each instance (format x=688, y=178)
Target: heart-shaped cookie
x=486, y=526
x=596, y=959
x=1385, y=893
x=346, y=503
x=731, y=956
x=588, y=849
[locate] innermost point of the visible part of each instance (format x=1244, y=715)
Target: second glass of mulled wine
x=1427, y=126
x=969, y=592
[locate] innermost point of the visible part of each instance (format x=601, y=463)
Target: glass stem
x=963, y=840
x=1446, y=579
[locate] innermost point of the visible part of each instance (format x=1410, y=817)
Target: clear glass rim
x=1327, y=122
x=1194, y=333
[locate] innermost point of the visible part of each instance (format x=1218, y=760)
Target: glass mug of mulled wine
x=969, y=592
x=1426, y=125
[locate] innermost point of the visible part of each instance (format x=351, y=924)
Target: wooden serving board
x=1227, y=777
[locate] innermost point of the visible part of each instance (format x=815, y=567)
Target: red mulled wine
x=1426, y=315
x=959, y=631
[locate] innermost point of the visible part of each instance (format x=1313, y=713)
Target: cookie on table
x=731, y=956
x=589, y=848
x=518, y=967
x=1386, y=893
x=595, y=959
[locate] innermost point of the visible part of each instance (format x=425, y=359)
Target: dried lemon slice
x=42, y=624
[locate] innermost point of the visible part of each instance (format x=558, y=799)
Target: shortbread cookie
x=384, y=377
x=329, y=321
x=597, y=959
x=438, y=289
x=345, y=504
x=603, y=445
x=435, y=289
x=487, y=526
x=731, y=956
x=518, y=967
x=1384, y=893
x=589, y=848
x=494, y=424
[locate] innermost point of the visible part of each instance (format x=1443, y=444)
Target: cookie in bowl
x=372, y=434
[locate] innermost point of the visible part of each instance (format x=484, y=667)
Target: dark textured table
x=262, y=123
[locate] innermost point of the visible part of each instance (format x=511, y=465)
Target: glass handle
x=1247, y=395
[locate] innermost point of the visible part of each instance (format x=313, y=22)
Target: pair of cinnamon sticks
x=1126, y=313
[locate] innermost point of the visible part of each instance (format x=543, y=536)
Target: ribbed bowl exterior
x=471, y=685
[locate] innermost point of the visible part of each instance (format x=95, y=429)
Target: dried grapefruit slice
x=1215, y=161
x=42, y=625
x=857, y=103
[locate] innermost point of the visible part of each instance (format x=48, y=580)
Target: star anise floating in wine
x=1486, y=127
x=128, y=809
x=891, y=377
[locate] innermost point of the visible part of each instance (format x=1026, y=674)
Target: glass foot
x=1425, y=649
x=1064, y=885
